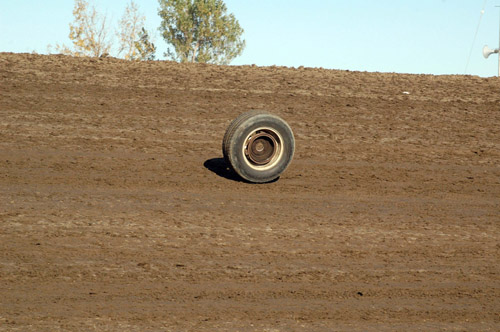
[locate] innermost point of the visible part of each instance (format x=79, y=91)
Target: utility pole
x=498, y=49
x=487, y=51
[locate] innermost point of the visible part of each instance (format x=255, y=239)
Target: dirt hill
x=117, y=211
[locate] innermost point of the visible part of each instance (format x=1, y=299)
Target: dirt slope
x=117, y=212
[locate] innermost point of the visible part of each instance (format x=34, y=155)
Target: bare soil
x=118, y=213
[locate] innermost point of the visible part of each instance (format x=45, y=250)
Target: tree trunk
x=195, y=50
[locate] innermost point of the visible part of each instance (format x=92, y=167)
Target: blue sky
x=421, y=37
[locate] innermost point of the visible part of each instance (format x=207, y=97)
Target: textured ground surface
x=117, y=212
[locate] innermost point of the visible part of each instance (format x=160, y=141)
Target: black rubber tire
x=244, y=152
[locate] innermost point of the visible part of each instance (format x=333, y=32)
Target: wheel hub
x=261, y=148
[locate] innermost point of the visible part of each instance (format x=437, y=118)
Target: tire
x=258, y=146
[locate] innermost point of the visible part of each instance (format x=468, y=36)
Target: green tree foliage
x=200, y=31
x=145, y=49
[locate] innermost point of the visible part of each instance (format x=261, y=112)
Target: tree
x=200, y=31
x=133, y=37
x=88, y=33
x=145, y=48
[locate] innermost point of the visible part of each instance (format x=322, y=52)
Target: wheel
x=258, y=146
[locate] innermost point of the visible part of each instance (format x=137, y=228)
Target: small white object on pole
x=488, y=51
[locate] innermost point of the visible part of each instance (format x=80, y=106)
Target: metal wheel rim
x=263, y=148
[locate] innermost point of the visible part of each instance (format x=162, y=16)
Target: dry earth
x=117, y=212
